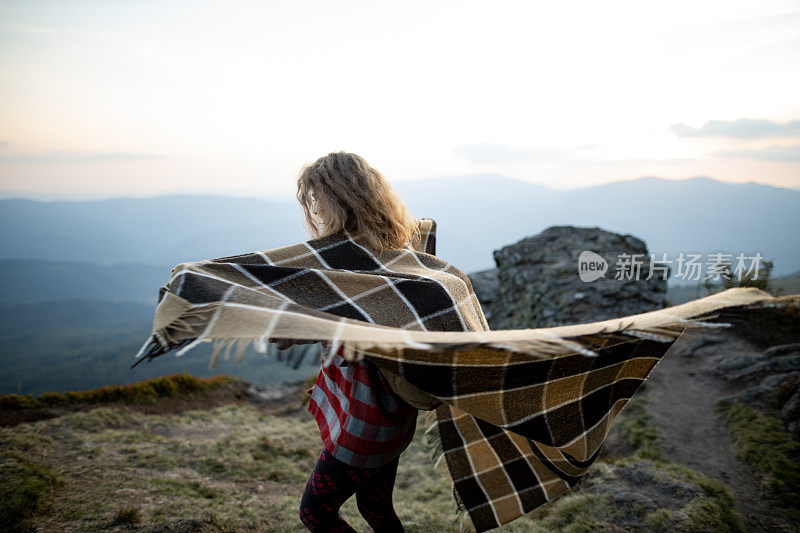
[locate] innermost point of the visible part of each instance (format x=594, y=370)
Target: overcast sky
x=109, y=98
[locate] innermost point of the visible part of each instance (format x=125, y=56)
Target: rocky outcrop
x=643, y=496
x=537, y=283
x=770, y=379
x=273, y=392
x=766, y=378
x=487, y=288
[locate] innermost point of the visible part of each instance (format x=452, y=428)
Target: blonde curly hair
x=340, y=191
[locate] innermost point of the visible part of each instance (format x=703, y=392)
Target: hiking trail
x=683, y=393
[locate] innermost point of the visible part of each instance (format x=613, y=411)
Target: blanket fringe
x=434, y=442
x=238, y=346
x=193, y=325
x=175, y=334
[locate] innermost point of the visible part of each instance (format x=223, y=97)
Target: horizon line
x=55, y=197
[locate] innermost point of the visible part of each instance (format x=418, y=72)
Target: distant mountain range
x=32, y=281
x=476, y=215
x=166, y=230
x=79, y=280
x=483, y=213
x=76, y=344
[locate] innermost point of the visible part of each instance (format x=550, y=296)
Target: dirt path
x=683, y=394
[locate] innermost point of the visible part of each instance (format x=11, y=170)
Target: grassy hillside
x=240, y=467
x=83, y=344
x=27, y=280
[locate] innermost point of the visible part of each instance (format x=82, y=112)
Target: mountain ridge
x=476, y=214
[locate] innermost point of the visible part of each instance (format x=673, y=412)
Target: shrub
x=142, y=392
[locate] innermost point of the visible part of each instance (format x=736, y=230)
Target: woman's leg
x=374, y=499
x=331, y=483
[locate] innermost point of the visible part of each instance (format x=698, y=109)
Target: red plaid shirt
x=361, y=421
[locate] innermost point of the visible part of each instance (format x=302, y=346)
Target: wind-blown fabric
x=525, y=412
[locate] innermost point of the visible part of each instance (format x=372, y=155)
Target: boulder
x=537, y=283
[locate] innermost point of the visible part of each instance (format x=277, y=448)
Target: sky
x=117, y=98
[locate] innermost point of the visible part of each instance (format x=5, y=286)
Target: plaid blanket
x=525, y=412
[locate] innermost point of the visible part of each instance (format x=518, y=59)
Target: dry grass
x=147, y=391
x=763, y=442
x=237, y=468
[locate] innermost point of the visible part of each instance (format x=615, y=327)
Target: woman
x=365, y=423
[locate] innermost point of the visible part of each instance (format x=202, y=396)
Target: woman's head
x=340, y=191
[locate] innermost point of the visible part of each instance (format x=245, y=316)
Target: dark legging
x=332, y=482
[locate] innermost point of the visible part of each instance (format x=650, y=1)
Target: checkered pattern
x=525, y=411
x=361, y=422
